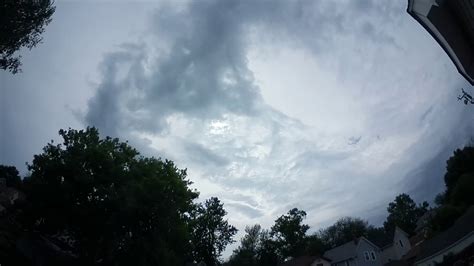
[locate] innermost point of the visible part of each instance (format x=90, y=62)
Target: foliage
x=267, y=252
x=11, y=175
x=117, y=206
x=21, y=24
x=315, y=245
x=461, y=194
x=343, y=231
x=404, y=213
x=210, y=232
x=459, y=180
x=290, y=233
x=246, y=254
x=462, y=162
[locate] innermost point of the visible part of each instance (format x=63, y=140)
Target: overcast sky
x=334, y=107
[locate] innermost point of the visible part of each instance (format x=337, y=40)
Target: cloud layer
x=333, y=107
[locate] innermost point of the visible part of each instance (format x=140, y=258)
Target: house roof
x=461, y=228
x=450, y=24
x=385, y=240
x=342, y=252
x=346, y=251
x=303, y=261
x=382, y=240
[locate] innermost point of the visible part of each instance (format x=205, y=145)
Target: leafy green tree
x=11, y=175
x=462, y=193
x=210, y=232
x=21, y=24
x=343, y=230
x=267, y=252
x=289, y=233
x=118, y=207
x=445, y=217
x=315, y=245
x=246, y=253
x=461, y=163
x=404, y=213
x=10, y=229
x=459, y=181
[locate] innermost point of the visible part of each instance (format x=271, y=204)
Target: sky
x=334, y=107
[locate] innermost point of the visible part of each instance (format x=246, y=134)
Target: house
x=308, y=261
x=396, y=247
x=358, y=252
x=454, y=240
x=451, y=24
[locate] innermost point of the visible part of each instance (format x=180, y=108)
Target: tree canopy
x=290, y=233
x=21, y=24
x=404, y=213
x=118, y=206
x=211, y=233
x=247, y=253
x=459, y=181
x=11, y=175
x=344, y=230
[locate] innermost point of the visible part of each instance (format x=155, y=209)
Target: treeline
x=97, y=201
x=288, y=236
x=93, y=201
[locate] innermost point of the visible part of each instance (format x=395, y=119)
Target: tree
x=461, y=163
x=246, y=254
x=210, y=232
x=404, y=213
x=11, y=175
x=459, y=181
x=315, y=245
x=267, y=252
x=343, y=230
x=119, y=208
x=461, y=194
x=290, y=233
x=21, y=24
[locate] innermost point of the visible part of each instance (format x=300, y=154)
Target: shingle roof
x=343, y=252
x=462, y=227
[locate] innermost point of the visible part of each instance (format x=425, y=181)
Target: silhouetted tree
x=459, y=181
x=461, y=163
x=246, y=253
x=210, y=232
x=404, y=213
x=118, y=207
x=267, y=252
x=343, y=230
x=315, y=245
x=21, y=24
x=11, y=175
x=289, y=233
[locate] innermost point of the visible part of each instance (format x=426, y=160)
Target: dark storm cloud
x=202, y=71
